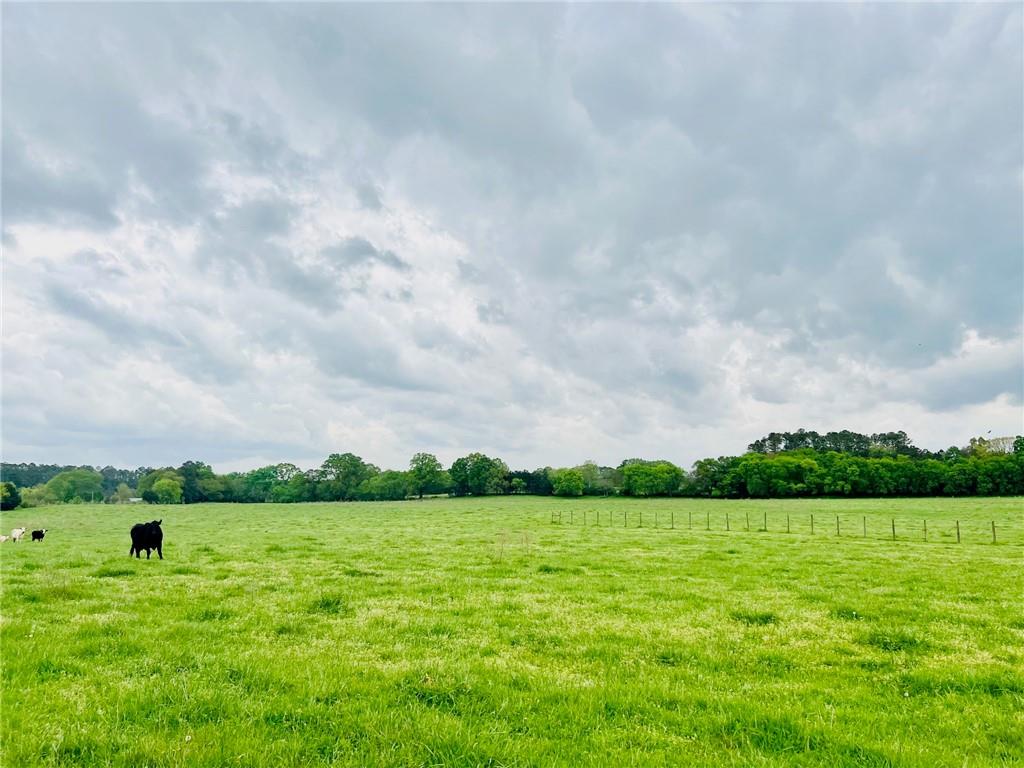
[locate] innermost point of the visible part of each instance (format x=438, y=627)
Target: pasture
x=477, y=632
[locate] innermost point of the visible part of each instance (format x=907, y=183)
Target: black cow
x=38, y=535
x=147, y=536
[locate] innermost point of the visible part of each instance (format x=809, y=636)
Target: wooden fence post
x=837, y=525
x=673, y=519
x=691, y=518
x=787, y=522
x=993, y=531
x=894, y=529
x=766, y=521
x=709, y=520
x=864, y=522
x=641, y=519
x=748, y=521
x=812, y=525
x=957, y=531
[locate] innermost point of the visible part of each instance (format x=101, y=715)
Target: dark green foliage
x=651, y=478
x=567, y=482
x=780, y=465
x=9, y=496
x=479, y=475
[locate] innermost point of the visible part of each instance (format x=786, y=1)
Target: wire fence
x=836, y=526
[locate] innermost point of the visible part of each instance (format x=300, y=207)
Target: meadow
x=484, y=632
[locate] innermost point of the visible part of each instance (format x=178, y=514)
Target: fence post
x=748, y=521
x=993, y=531
x=641, y=519
x=837, y=525
x=673, y=519
x=655, y=518
x=926, y=529
x=625, y=518
x=894, y=529
x=787, y=522
x=584, y=518
x=691, y=518
x=766, y=521
x=864, y=522
x=812, y=525
x=709, y=520
x=957, y=531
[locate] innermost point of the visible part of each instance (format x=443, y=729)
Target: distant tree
x=1018, y=444
x=388, y=485
x=341, y=475
x=194, y=474
x=568, y=482
x=9, y=496
x=652, y=478
x=76, y=485
x=147, y=481
x=123, y=493
x=167, y=491
x=425, y=473
x=517, y=485
x=479, y=475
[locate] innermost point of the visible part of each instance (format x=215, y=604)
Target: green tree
x=76, y=485
x=167, y=491
x=425, y=473
x=147, y=481
x=340, y=476
x=123, y=493
x=9, y=496
x=568, y=482
x=479, y=475
x=651, y=478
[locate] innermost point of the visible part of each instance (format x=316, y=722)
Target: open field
x=478, y=632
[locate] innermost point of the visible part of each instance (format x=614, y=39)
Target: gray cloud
x=552, y=232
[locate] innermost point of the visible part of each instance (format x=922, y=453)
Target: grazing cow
x=147, y=536
x=16, y=534
x=38, y=535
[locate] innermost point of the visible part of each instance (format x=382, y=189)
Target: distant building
x=134, y=499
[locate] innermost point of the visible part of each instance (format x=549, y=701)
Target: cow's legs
x=148, y=552
x=160, y=550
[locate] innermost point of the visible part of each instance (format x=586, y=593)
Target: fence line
x=954, y=529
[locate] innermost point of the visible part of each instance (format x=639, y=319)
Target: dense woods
x=779, y=465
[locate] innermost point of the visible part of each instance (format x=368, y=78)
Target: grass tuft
x=755, y=618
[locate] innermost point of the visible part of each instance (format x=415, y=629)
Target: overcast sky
x=254, y=233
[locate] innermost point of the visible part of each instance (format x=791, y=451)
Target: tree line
x=780, y=465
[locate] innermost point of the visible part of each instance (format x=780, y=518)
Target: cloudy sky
x=254, y=233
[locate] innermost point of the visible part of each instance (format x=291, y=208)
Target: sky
x=247, y=234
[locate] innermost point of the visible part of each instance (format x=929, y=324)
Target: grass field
x=478, y=632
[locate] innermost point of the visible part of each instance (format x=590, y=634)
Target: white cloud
x=251, y=233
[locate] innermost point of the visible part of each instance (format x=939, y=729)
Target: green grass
x=478, y=632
